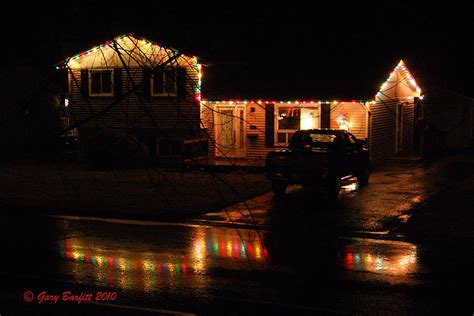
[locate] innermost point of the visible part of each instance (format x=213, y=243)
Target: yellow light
x=147, y=265
x=122, y=263
x=99, y=260
x=258, y=251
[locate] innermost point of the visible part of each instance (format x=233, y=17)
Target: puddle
x=150, y=265
x=379, y=256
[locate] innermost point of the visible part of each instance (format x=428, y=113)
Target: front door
x=230, y=131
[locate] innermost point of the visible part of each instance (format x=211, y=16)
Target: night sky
x=277, y=51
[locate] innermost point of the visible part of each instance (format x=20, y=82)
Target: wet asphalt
x=301, y=255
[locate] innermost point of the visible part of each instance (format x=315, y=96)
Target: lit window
x=163, y=82
x=288, y=122
x=288, y=118
x=100, y=83
x=291, y=119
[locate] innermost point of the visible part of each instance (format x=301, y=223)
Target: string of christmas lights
x=411, y=79
x=297, y=102
x=133, y=39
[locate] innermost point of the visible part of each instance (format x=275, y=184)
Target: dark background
x=333, y=50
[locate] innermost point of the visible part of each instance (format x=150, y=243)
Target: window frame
x=101, y=94
x=288, y=132
x=164, y=74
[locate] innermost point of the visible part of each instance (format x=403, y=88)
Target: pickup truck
x=318, y=157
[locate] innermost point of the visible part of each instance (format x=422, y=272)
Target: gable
x=130, y=51
x=399, y=85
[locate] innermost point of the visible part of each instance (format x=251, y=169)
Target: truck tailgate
x=296, y=164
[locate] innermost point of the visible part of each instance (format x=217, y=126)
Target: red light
x=348, y=262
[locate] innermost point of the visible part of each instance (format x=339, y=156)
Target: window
x=288, y=122
x=167, y=147
x=163, y=82
x=100, y=83
x=288, y=118
x=323, y=138
x=319, y=141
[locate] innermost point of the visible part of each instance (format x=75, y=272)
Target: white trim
x=111, y=94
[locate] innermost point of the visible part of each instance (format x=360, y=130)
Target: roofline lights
x=136, y=41
x=296, y=102
x=411, y=80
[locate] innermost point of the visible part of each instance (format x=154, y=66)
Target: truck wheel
x=279, y=188
x=363, y=177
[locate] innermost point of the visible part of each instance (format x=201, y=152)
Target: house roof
x=136, y=48
x=400, y=76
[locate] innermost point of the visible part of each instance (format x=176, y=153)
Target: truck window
x=322, y=138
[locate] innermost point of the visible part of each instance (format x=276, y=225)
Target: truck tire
x=363, y=176
x=279, y=188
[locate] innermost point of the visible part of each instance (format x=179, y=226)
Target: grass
x=144, y=193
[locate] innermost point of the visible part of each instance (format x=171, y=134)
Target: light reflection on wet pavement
x=91, y=257
x=379, y=256
x=102, y=260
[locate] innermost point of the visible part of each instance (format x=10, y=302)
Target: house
x=251, y=128
x=144, y=89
